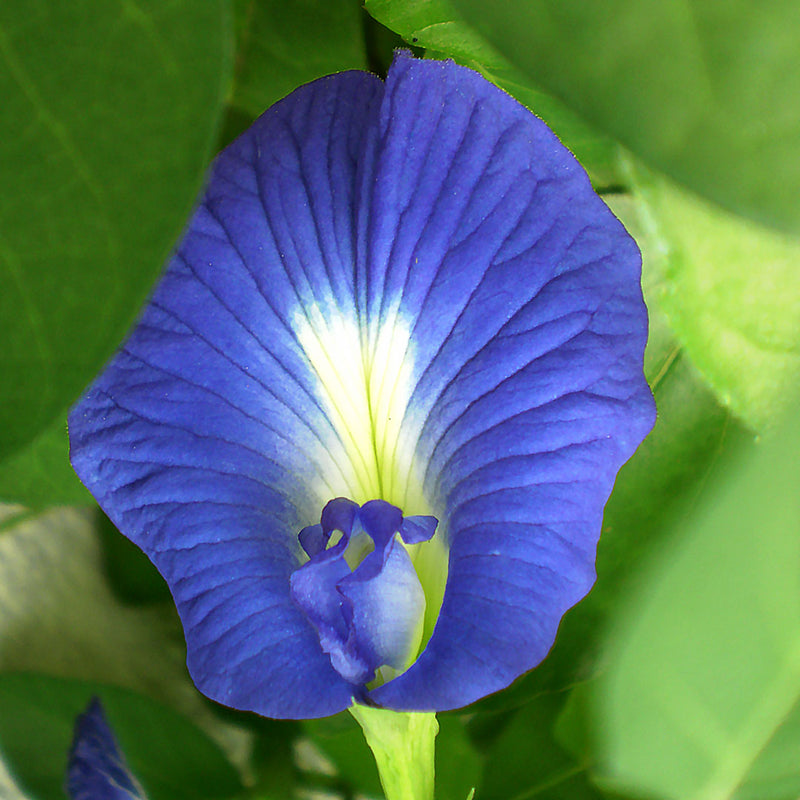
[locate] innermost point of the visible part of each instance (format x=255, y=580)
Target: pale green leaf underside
x=702, y=698
x=731, y=293
x=59, y=616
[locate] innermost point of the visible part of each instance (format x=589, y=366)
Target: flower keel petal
x=388, y=605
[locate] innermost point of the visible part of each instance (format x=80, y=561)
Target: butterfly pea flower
x=96, y=768
x=369, y=419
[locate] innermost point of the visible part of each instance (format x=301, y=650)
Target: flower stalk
x=403, y=744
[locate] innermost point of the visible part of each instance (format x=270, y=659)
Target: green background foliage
x=712, y=709
x=693, y=88
x=171, y=758
x=678, y=676
x=110, y=113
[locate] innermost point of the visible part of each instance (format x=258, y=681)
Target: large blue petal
x=409, y=293
x=529, y=330
x=205, y=439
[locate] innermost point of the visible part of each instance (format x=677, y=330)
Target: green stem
x=403, y=746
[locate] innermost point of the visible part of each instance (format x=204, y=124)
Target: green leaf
x=112, y=112
x=731, y=293
x=704, y=91
x=40, y=475
x=171, y=757
x=283, y=45
x=526, y=762
x=701, y=698
x=437, y=26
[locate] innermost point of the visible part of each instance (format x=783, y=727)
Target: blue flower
x=368, y=422
x=96, y=769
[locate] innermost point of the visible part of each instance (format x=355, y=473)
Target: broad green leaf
x=40, y=475
x=704, y=91
x=170, y=757
x=437, y=26
x=59, y=616
x=283, y=45
x=701, y=698
x=109, y=112
x=525, y=762
x=731, y=293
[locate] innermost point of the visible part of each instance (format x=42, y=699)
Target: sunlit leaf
x=702, y=695
x=704, y=91
x=437, y=26
x=731, y=293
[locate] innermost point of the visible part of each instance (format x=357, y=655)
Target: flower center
x=359, y=588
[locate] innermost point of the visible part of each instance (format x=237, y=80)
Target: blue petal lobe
x=96, y=769
x=418, y=529
x=312, y=539
x=205, y=440
x=381, y=521
x=529, y=328
x=338, y=515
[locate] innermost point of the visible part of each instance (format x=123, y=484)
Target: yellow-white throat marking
x=365, y=385
x=365, y=389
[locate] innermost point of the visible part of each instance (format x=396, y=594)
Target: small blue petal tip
x=402, y=293
x=96, y=768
